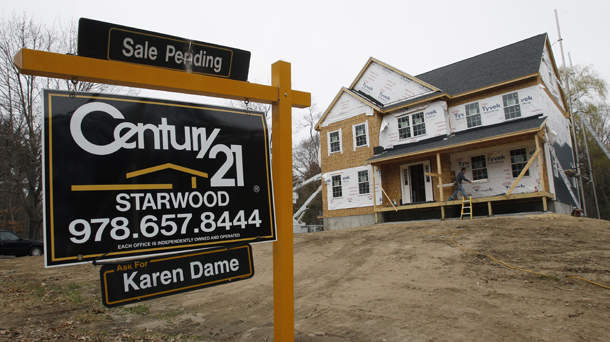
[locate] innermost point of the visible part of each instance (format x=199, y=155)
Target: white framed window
x=361, y=134
x=334, y=142
x=419, y=125
x=479, y=167
x=518, y=160
x=473, y=115
x=336, y=184
x=411, y=125
x=511, y=106
x=363, y=182
x=404, y=129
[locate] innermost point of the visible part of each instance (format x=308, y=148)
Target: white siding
x=346, y=107
x=388, y=86
x=435, y=116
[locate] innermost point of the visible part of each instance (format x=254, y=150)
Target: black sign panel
x=107, y=41
x=137, y=280
x=131, y=176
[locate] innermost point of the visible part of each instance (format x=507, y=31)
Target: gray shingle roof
x=513, y=126
x=497, y=66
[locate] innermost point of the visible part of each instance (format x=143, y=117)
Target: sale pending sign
x=98, y=39
x=127, y=176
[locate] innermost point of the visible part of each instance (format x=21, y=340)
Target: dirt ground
x=389, y=282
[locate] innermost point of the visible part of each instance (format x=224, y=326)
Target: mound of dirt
x=418, y=281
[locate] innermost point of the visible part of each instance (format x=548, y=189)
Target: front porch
x=481, y=205
x=415, y=176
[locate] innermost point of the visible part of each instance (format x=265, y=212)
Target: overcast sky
x=328, y=42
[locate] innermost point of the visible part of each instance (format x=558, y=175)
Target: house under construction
x=392, y=143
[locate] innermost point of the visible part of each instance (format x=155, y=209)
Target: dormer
x=398, y=98
x=384, y=85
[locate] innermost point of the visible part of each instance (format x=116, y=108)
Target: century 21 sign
x=131, y=176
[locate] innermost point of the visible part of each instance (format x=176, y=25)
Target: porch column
x=374, y=198
x=542, y=186
x=386, y=195
x=440, y=183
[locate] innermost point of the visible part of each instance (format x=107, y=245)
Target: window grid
x=335, y=142
x=479, y=167
x=419, y=126
x=511, y=106
x=363, y=182
x=473, y=115
x=518, y=160
x=360, y=135
x=337, y=192
x=404, y=131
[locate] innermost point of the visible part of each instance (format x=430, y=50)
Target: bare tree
x=309, y=120
x=21, y=114
x=305, y=161
x=305, y=154
x=306, y=164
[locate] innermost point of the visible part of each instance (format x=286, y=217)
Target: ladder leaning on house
x=466, y=204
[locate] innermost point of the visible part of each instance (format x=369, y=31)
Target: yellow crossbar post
x=48, y=64
x=283, y=257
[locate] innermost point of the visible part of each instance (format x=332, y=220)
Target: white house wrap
x=350, y=191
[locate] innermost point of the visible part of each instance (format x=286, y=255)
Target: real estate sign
x=113, y=42
x=137, y=280
x=126, y=176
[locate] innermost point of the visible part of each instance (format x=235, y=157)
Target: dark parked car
x=12, y=244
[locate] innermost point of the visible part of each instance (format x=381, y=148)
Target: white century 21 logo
x=195, y=139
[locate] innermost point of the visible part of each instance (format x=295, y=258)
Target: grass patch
x=94, y=315
x=170, y=314
x=23, y=295
x=140, y=309
x=71, y=294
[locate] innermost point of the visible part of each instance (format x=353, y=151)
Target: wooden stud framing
x=538, y=147
x=528, y=195
x=527, y=166
x=542, y=185
x=386, y=195
x=432, y=174
x=375, y=197
x=440, y=182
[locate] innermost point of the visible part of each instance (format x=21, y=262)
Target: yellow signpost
x=279, y=95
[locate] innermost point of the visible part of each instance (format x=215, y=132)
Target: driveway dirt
x=417, y=281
